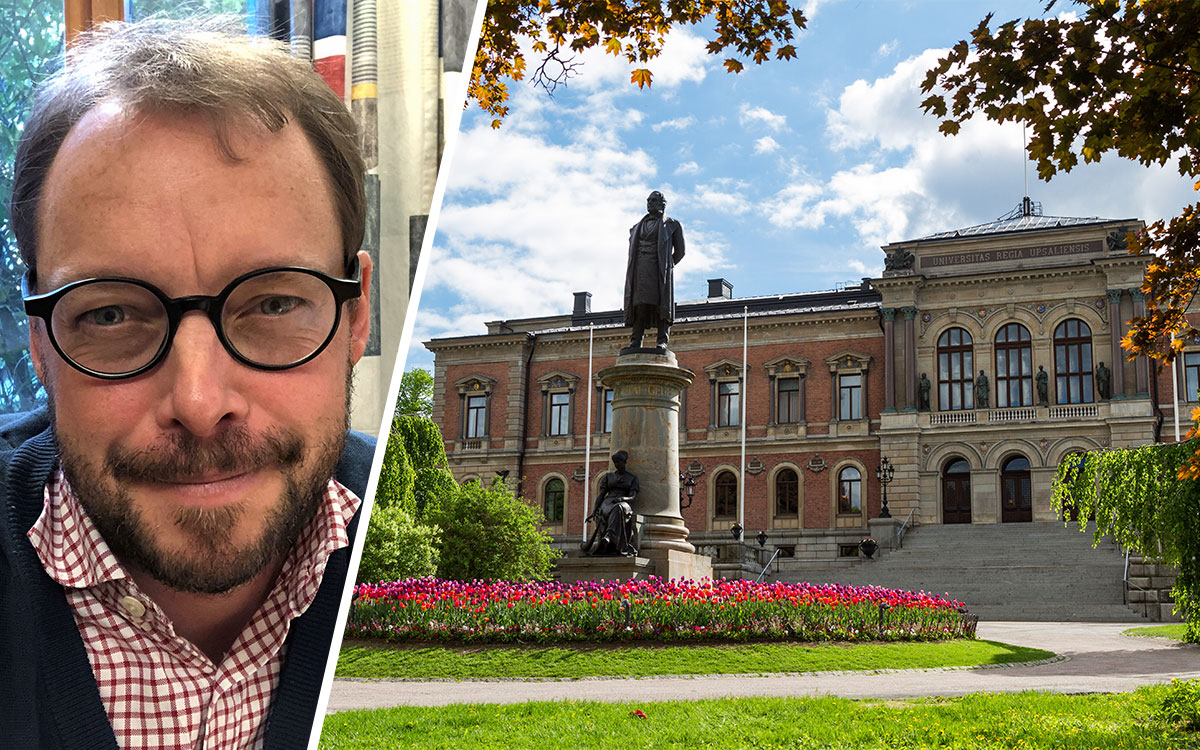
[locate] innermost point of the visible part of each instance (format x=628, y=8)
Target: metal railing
x=767, y=566
x=903, y=528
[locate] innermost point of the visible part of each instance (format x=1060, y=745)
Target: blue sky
x=787, y=177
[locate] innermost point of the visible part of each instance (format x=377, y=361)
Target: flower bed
x=430, y=609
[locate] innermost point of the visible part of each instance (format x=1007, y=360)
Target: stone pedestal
x=645, y=412
x=884, y=531
x=576, y=567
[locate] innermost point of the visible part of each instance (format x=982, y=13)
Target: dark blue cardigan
x=48, y=694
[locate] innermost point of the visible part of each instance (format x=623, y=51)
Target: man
x=616, y=530
x=175, y=535
x=655, y=246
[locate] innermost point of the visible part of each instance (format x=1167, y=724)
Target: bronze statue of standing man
x=655, y=246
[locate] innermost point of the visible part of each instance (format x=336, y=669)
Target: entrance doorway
x=956, y=492
x=1016, y=491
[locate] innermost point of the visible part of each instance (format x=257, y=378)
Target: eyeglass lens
x=273, y=319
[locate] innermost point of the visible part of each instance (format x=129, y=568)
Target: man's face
x=656, y=204
x=202, y=470
x=619, y=462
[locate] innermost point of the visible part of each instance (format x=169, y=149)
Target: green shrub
x=487, y=532
x=397, y=547
x=396, y=477
x=1181, y=705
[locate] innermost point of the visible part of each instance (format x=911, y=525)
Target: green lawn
x=359, y=659
x=1024, y=720
x=1174, y=632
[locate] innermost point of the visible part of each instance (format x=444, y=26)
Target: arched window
x=956, y=370
x=1073, y=363
x=553, y=496
x=849, y=490
x=725, y=495
x=787, y=493
x=1014, y=366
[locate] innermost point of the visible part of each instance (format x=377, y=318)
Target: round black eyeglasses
x=270, y=319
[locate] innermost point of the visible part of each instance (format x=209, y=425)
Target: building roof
x=1026, y=217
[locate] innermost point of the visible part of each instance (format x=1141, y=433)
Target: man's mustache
x=183, y=457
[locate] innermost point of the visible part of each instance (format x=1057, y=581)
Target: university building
x=974, y=364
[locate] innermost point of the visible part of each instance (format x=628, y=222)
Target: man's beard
x=213, y=563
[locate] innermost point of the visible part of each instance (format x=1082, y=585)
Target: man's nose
x=201, y=381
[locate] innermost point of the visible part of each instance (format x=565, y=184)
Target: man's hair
x=207, y=68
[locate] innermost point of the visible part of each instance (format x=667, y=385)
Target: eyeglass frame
x=42, y=306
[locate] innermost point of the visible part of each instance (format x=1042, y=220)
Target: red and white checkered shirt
x=160, y=690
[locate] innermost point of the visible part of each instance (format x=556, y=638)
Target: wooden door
x=1016, y=492
x=956, y=493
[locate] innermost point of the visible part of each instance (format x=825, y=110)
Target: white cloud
x=688, y=167
x=677, y=123
x=765, y=145
x=887, y=48
x=720, y=198
x=748, y=115
x=904, y=179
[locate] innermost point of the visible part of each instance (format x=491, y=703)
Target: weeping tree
x=1148, y=500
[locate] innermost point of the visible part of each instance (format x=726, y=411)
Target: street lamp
x=687, y=487
x=736, y=531
x=885, y=474
x=762, y=538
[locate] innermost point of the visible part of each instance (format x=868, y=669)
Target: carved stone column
x=646, y=394
x=910, y=358
x=889, y=360
x=1114, y=328
x=1141, y=365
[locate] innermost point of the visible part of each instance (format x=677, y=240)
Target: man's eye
x=109, y=315
x=278, y=305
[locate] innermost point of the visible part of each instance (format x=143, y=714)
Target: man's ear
x=360, y=318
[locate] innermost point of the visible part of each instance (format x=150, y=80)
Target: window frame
x=964, y=386
x=794, y=495
x=725, y=492
x=1081, y=378
x=841, y=484
x=562, y=500
x=1023, y=380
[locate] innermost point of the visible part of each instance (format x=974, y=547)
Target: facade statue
x=1043, y=386
x=899, y=260
x=1104, y=382
x=981, y=391
x=655, y=246
x=615, y=531
x=923, y=386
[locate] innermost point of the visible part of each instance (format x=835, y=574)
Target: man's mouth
x=207, y=490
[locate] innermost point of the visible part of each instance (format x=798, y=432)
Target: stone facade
x=833, y=384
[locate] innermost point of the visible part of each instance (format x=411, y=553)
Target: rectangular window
x=606, y=411
x=789, y=401
x=560, y=413
x=476, y=417
x=728, y=404
x=1191, y=375
x=850, y=397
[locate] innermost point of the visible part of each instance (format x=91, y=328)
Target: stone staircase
x=1021, y=571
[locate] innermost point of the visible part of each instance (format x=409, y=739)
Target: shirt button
x=134, y=607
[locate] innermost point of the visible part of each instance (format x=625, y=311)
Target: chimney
x=719, y=289
x=583, y=303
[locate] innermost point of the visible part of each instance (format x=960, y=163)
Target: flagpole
x=745, y=389
x=587, y=446
x=1175, y=386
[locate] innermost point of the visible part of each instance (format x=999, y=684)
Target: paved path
x=1098, y=659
